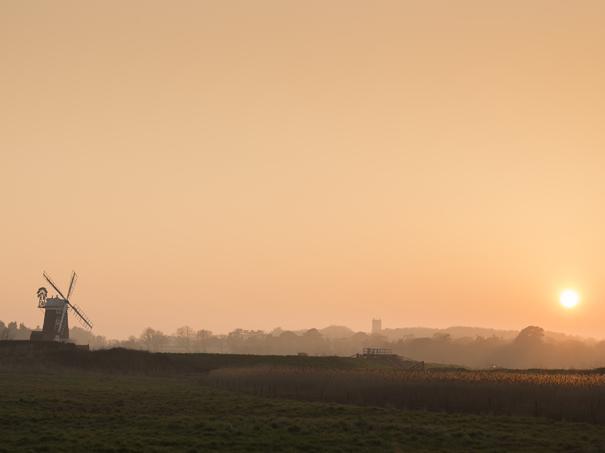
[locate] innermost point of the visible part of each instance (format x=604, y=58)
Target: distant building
x=376, y=326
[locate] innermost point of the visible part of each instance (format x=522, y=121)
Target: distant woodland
x=531, y=347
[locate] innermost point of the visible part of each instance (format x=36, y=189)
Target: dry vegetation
x=56, y=399
x=577, y=396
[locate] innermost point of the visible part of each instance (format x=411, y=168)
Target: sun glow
x=569, y=298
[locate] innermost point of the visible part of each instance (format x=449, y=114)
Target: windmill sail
x=48, y=279
x=80, y=316
x=74, y=279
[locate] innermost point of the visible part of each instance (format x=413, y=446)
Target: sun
x=569, y=298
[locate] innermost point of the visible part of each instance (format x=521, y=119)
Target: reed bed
x=564, y=395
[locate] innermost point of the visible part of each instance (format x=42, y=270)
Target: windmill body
x=56, y=324
x=56, y=313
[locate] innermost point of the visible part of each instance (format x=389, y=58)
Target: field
x=557, y=395
x=166, y=403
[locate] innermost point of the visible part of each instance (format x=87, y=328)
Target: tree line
x=530, y=348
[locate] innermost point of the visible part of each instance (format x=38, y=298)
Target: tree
x=312, y=342
x=530, y=336
x=201, y=339
x=184, y=338
x=442, y=337
x=288, y=342
x=11, y=331
x=153, y=340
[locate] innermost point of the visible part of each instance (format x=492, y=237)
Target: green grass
x=77, y=411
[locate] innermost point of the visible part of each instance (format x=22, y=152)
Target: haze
x=230, y=164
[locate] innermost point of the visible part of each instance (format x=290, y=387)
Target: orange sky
x=230, y=164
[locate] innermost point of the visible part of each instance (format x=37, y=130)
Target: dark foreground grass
x=61, y=411
x=50, y=355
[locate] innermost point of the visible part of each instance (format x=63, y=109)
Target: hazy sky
x=255, y=164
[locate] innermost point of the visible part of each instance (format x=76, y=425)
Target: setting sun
x=569, y=298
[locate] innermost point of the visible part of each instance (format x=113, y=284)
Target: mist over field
x=531, y=347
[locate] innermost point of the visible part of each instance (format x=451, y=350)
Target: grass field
x=76, y=411
x=133, y=401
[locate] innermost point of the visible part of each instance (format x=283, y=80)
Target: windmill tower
x=56, y=309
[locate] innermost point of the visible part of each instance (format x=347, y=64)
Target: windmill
x=56, y=308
